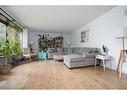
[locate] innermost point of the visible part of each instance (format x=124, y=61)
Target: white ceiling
x=55, y=18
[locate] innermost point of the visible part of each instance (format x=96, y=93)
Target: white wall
x=34, y=38
x=104, y=30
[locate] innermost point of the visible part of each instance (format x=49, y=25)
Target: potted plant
x=6, y=51
x=16, y=48
x=17, y=51
x=104, y=49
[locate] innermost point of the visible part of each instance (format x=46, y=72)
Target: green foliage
x=0, y=46
x=16, y=48
x=13, y=32
x=14, y=27
x=8, y=49
x=104, y=48
x=5, y=50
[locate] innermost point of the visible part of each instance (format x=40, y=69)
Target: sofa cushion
x=73, y=60
x=76, y=50
x=65, y=49
x=93, y=50
x=74, y=56
x=68, y=50
x=51, y=50
x=90, y=55
x=88, y=50
x=59, y=49
x=81, y=50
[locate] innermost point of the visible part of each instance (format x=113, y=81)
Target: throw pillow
x=86, y=52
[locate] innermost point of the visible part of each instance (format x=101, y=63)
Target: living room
x=64, y=46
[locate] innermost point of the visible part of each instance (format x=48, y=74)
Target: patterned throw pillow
x=81, y=50
x=51, y=50
x=86, y=51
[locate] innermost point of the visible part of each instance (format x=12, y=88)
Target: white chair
x=27, y=53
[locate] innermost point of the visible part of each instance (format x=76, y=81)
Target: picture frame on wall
x=85, y=36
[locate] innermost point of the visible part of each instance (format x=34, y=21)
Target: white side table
x=104, y=58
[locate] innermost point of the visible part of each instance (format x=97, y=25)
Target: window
x=9, y=30
x=10, y=33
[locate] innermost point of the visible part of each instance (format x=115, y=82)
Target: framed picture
x=85, y=36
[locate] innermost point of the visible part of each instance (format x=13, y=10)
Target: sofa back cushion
x=51, y=50
x=59, y=49
x=79, y=50
x=90, y=52
x=75, y=50
x=68, y=50
x=93, y=50
x=65, y=49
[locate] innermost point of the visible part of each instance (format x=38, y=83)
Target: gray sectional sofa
x=76, y=56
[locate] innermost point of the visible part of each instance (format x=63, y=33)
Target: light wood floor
x=55, y=75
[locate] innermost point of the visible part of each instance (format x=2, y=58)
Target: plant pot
x=5, y=70
x=104, y=53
